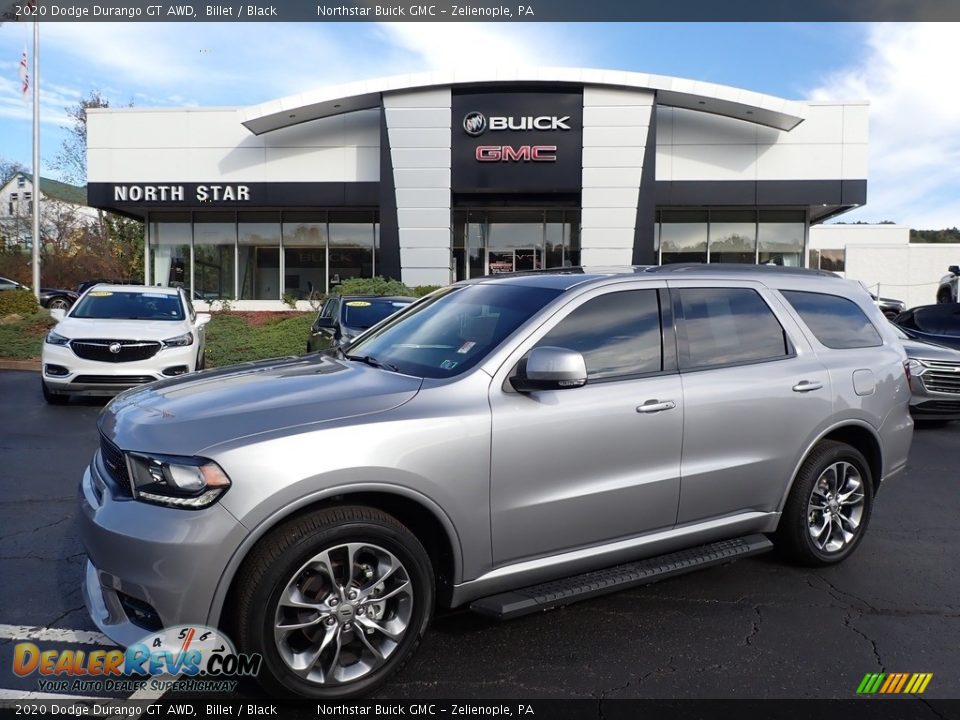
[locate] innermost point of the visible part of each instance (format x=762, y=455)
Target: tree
x=9, y=168
x=71, y=161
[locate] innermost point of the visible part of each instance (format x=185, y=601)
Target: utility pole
x=36, y=161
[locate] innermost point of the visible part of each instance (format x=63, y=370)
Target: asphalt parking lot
x=755, y=629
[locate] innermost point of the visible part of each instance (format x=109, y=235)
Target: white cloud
x=908, y=72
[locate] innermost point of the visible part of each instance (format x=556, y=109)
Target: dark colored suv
x=343, y=317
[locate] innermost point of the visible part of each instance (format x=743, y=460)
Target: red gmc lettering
x=523, y=153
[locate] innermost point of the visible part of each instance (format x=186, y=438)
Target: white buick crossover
x=118, y=336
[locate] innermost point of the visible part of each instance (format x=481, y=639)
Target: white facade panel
x=424, y=198
x=856, y=123
x=422, y=178
x=695, y=128
x=420, y=158
x=824, y=125
x=609, y=217
x=414, y=276
x=598, y=96
x=610, y=197
x=361, y=164
x=425, y=237
x=855, y=161
x=714, y=162
x=420, y=138
x=910, y=273
x=429, y=257
x=616, y=116
x=415, y=217
x=612, y=157
x=608, y=177
x=300, y=164
x=606, y=256
x=615, y=136
x=797, y=162
x=418, y=117
x=326, y=132
x=838, y=235
x=436, y=98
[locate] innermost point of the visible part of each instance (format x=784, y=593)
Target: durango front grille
x=115, y=351
x=116, y=464
x=942, y=376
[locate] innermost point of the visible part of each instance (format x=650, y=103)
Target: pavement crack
x=848, y=622
x=932, y=709
x=32, y=530
x=62, y=615
x=755, y=629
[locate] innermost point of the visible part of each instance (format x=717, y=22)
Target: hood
x=918, y=350
x=110, y=329
x=183, y=416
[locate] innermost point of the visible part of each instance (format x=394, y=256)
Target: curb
x=33, y=365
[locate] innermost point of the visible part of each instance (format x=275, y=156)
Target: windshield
x=454, y=329
x=109, y=305
x=366, y=313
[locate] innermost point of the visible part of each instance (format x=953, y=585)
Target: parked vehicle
x=934, y=379
x=513, y=443
x=939, y=324
x=87, y=284
x=342, y=318
x=50, y=298
x=118, y=336
x=890, y=307
x=947, y=290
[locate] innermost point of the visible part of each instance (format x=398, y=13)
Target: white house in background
x=63, y=209
x=883, y=258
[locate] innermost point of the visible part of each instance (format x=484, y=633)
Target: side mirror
x=955, y=269
x=203, y=318
x=550, y=368
x=58, y=314
x=323, y=323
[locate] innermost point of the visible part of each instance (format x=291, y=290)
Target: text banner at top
x=484, y=11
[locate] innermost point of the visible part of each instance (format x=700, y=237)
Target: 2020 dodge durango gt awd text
x=503, y=442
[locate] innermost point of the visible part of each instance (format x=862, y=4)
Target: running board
x=558, y=593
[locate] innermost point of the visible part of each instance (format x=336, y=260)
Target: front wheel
x=51, y=397
x=829, y=506
x=335, y=601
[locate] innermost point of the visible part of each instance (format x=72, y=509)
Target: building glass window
x=259, y=255
x=214, y=252
x=832, y=259
x=733, y=236
x=351, y=242
x=170, y=249
x=304, y=253
x=781, y=236
x=683, y=236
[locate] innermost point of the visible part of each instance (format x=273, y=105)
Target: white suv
x=118, y=336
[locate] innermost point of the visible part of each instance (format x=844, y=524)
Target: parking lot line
x=27, y=632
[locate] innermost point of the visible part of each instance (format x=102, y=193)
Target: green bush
x=17, y=302
x=22, y=338
x=421, y=290
x=242, y=337
x=372, y=286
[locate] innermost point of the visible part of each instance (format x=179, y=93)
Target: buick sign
x=474, y=123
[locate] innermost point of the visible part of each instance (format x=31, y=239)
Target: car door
x=754, y=393
x=584, y=466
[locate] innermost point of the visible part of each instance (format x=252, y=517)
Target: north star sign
x=177, y=193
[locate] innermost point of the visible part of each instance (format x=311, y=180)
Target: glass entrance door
x=492, y=242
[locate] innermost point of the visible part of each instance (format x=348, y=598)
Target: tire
x=201, y=361
x=53, y=398
x=944, y=296
x=58, y=303
x=799, y=521
x=292, y=561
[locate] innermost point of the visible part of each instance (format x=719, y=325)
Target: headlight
x=179, y=340
x=917, y=367
x=54, y=338
x=183, y=482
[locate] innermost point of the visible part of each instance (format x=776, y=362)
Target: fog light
x=176, y=370
x=55, y=370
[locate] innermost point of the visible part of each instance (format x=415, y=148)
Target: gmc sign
x=524, y=153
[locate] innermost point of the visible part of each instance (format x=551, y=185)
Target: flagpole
x=35, y=231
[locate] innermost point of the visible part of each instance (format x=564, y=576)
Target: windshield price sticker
x=358, y=303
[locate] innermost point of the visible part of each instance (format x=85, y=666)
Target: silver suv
x=514, y=443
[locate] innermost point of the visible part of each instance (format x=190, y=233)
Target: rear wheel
x=944, y=296
x=58, y=303
x=51, y=397
x=829, y=506
x=335, y=601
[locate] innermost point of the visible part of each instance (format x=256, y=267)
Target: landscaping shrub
x=18, y=301
x=421, y=290
x=372, y=286
x=22, y=338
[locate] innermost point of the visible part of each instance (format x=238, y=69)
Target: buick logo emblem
x=115, y=348
x=474, y=123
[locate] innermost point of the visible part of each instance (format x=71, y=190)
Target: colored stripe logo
x=894, y=683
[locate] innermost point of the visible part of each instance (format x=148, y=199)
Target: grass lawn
x=232, y=337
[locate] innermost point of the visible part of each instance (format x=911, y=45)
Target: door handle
x=806, y=386
x=652, y=406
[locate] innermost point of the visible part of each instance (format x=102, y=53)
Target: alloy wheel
x=835, y=508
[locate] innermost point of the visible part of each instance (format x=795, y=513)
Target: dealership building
x=443, y=176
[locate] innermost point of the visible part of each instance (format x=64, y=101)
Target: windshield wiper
x=372, y=361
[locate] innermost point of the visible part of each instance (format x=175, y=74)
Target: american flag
x=24, y=74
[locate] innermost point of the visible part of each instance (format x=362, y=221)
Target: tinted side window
x=836, y=321
x=723, y=326
x=618, y=334
x=939, y=319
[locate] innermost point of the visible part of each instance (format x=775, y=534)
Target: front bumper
x=92, y=377
x=165, y=562
x=932, y=405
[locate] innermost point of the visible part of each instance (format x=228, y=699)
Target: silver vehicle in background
x=512, y=443
x=934, y=379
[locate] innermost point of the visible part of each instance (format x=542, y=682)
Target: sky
x=908, y=72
